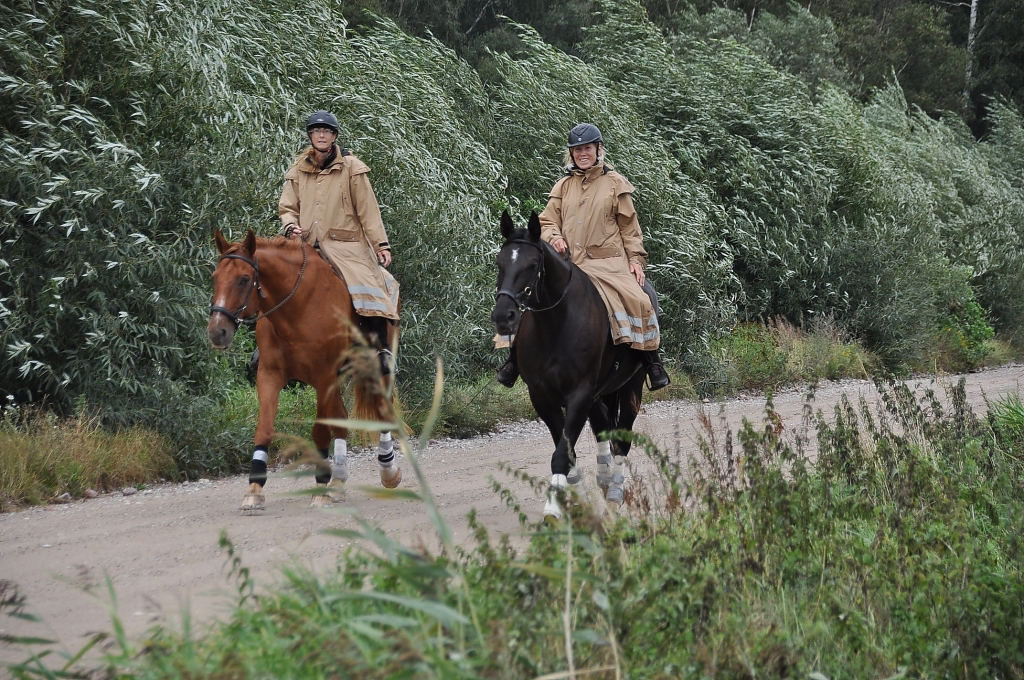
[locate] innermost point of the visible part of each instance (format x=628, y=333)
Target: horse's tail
x=373, y=393
x=373, y=401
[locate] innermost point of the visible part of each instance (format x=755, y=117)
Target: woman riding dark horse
x=573, y=370
x=591, y=208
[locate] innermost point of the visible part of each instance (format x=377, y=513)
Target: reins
x=236, y=316
x=521, y=298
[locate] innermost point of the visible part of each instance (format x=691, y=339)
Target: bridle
x=520, y=299
x=236, y=315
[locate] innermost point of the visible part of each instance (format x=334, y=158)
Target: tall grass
x=895, y=550
x=42, y=457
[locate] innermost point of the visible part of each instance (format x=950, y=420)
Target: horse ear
x=250, y=242
x=222, y=243
x=534, y=224
x=507, y=228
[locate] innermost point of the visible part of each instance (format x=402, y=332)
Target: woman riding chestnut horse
x=304, y=311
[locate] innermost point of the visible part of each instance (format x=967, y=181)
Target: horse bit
x=236, y=316
x=521, y=299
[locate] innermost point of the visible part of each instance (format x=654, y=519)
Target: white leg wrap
x=390, y=473
x=618, y=478
x=551, y=507
x=386, y=451
x=339, y=466
x=260, y=454
x=604, y=464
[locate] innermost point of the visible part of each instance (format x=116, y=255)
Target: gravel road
x=160, y=545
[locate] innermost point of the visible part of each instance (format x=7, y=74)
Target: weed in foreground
x=891, y=549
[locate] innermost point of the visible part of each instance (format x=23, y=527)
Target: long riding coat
x=593, y=211
x=338, y=213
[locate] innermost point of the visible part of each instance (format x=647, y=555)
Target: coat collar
x=307, y=164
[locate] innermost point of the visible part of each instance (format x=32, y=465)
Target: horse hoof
x=336, y=490
x=574, y=477
x=391, y=477
x=254, y=499
x=552, y=512
x=321, y=499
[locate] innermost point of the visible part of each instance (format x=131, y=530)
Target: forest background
x=856, y=166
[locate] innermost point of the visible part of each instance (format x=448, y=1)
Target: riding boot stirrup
x=656, y=373
x=509, y=371
x=386, y=359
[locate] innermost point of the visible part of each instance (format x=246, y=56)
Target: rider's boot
x=656, y=373
x=252, y=367
x=509, y=371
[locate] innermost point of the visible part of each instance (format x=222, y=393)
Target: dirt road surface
x=160, y=546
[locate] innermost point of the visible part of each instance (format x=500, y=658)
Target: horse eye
x=244, y=281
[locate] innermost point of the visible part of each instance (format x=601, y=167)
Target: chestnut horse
x=304, y=319
x=566, y=356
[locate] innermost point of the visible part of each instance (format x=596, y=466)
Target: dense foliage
x=896, y=553
x=130, y=130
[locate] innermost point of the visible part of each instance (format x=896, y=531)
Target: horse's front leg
x=563, y=461
x=269, y=383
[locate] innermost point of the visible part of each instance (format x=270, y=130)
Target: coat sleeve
x=364, y=202
x=288, y=206
x=629, y=227
x=551, y=217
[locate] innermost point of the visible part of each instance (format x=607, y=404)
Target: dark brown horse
x=566, y=357
x=304, y=328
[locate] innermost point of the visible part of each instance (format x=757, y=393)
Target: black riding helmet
x=584, y=133
x=322, y=119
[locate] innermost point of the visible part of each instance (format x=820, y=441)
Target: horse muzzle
x=506, y=316
x=220, y=331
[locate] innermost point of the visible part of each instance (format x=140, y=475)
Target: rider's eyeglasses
x=325, y=130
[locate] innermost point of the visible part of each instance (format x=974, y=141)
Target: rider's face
x=322, y=138
x=584, y=156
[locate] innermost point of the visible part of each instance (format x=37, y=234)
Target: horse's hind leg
x=602, y=419
x=623, y=417
x=329, y=405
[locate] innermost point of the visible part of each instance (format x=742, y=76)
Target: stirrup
x=386, y=358
x=508, y=374
x=658, y=377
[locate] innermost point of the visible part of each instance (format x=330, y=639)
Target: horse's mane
x=277, y=242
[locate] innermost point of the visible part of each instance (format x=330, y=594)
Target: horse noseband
x=520, y=299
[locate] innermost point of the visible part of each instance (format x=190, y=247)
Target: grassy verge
x=897, y=553
x=42, y=457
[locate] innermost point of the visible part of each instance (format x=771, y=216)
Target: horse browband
x=235, y=316
x=520, y=303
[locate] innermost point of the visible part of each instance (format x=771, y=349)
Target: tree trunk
x=969, y=74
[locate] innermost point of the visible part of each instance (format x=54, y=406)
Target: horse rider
x=590, y=218
x=327, y=201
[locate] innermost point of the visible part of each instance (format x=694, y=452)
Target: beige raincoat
x=593, y=211
x=338, y=212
